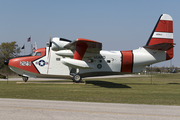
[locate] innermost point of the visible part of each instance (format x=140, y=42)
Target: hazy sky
x=117, y=24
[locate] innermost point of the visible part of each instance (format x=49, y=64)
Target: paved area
x=23, y=109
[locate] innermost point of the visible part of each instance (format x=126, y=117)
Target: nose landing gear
x=25, y=79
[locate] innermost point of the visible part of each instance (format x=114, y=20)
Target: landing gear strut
x=25, y=79
x=77, y=78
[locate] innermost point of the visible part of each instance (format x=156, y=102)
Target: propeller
x=50, y=44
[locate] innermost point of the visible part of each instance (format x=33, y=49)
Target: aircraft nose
x=6, y=62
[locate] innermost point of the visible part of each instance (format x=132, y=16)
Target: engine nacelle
x=59, y=43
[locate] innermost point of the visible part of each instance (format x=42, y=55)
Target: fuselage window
x=108, y=61
x=58, y=59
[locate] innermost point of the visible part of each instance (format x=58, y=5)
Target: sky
x=117, y=24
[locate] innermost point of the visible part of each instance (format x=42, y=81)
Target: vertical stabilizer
x=162, y=35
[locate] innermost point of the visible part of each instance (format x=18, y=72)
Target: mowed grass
x=164, y=90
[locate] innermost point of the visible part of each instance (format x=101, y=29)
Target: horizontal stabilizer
x=161, y=46
x=77, y=63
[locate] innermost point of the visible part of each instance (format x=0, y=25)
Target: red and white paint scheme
x=84, y=58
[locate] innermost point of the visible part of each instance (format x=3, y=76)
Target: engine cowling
x=59, y=43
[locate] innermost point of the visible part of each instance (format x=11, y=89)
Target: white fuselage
x=105, y=63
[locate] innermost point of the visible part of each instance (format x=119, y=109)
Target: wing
x=81, y=45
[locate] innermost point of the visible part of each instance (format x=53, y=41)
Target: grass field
x=164, y=90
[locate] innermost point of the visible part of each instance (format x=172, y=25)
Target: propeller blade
x=50, y=44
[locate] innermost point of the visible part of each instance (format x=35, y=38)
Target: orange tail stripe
x=164, y=26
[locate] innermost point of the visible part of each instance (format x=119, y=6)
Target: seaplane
x=66, y=59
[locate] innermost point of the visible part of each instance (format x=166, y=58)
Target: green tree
x=8, y=50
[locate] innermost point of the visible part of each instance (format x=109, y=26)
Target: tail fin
x=162, y=36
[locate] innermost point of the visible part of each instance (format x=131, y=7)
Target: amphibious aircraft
x=81, y=58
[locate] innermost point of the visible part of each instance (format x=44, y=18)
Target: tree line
x=8, y=50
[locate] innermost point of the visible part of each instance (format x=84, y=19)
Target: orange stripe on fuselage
x=127, y=61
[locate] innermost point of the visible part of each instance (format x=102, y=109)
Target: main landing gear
x=25, y=79
x=77, y=78
x=75, y=74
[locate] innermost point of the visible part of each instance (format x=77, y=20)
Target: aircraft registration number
x=25, y=63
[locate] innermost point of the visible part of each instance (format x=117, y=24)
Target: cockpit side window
x=38, y=54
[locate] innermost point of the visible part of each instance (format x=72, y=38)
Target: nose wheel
x=25, y=79
x=77, y=78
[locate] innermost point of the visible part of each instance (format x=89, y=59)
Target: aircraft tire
x=25, y=79
x=77, y=78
